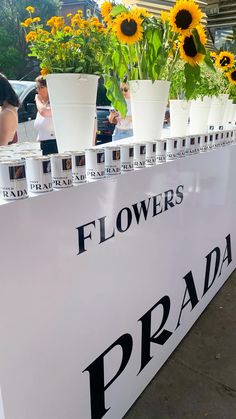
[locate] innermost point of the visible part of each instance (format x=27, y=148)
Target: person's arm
x=7, y=126
x=43, y=109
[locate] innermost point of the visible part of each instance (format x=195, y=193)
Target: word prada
x=152, y=206
x=14, y=194
x=190, y=299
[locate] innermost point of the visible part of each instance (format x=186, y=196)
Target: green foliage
x=212, y=83
x=13, y=50
x=192, y=78
x=232, y=92
x=191, y=82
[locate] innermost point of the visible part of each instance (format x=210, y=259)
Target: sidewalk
x=199, y=379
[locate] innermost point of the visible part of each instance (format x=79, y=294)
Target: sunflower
x=188, y=49
x=165, y=16
x=128, y=28
x=185, y=15
x=141, y=12
x=106, y=9
x=225, y=60
x=213, y=55
x=232, y=76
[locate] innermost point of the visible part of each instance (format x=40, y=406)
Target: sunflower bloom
x=213, y=55
x=165, y=16
x=30, y=9
x=36, y=19
x=185, y=16
x=225, y=60
x=128, y=28
x=106, y=9
x=188, y=49
x=141, y=12
x=232, y=76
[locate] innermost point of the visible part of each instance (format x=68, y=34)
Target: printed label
x=80, y=161
x=17, y=172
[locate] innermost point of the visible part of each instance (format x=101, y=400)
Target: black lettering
x=129, y=220
x=207, y=286
x=190, y=287
x=157, y=201
x=96, y=375
x=227, y=253
x=168, y=200
x=82, y=237
x=103, y=237
x=179, y=194
x=143, y=209
x=147, y=338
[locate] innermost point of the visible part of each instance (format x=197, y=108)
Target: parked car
x=27, y=111
x=104, y=128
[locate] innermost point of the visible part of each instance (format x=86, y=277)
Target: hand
x=113, y=117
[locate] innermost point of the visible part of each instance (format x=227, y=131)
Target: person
x=43, y=123
x=9, y=103
x=124, y=127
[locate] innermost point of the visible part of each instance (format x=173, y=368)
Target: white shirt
x=44, y=127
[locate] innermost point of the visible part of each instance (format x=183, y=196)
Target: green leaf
x=189, y=81
x=209, y=62
x=116, y=10
x=114, y=94
x=200, y=48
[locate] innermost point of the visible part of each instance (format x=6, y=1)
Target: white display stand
x=99, y=283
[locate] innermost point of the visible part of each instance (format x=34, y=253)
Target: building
x=221, y=22
x=220, y=19
x=87, y=6
x=154, y=6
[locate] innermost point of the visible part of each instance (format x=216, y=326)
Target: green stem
x=131, y=63
x=138, y=59
x=125, y=64
x=173, y=63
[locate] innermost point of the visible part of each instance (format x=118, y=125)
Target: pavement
x=199, y=379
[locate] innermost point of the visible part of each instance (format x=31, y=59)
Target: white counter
x=110, y=274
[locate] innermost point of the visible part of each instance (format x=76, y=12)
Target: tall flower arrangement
x=66, y=45
x=145, y=47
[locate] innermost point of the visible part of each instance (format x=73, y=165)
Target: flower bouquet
x=68, y=50
x=146, y=50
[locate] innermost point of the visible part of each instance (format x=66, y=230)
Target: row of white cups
x=27, y=173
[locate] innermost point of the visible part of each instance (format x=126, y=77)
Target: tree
x=14, y=62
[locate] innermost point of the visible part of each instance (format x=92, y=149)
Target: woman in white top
x=9, y=103
x=43, y=123
x=124, y=126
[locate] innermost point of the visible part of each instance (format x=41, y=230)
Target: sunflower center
x=190, y=47
x=224, y=61
x=128, y=27
x=183, y=19
x=233, y=75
